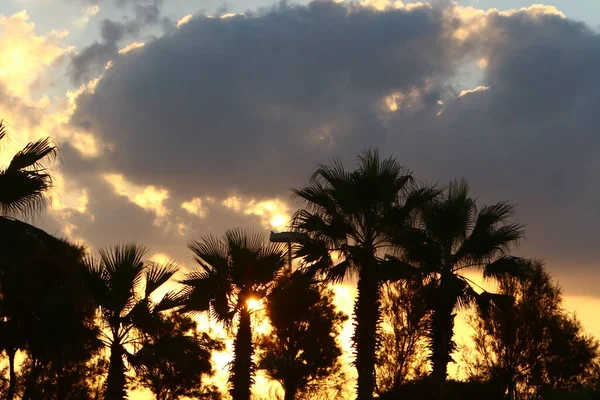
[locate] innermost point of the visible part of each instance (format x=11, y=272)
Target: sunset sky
x=179, y=118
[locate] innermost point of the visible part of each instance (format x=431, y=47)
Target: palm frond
x=250, y=239
x=121, y=257
x=123, y=268
x=3, y=130
x=484, y=245
x=208, y=291
x=331, y=228
x=157, y=275
x=32, y=154
x=462, y=291
x=487, y=302
x=210, y=253
x=23, y=192
x=311, y=250
x=338, y=273
x=171, y=300
x=416, y=198
x=193, y=299
x=507, y=267
x=143, y=317
x=458, y=189
x=315, y=197
x=394, y=269
x=96, y=281
x=331, y=174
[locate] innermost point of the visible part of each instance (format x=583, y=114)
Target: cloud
x=149, y=198
x=256, y=101
x=273, y=213
x=131, y=46
x=88, y=63
x=29, y=59
x=195, y=206
x=88, y=12
x=245, y=107
x=25, y=55
x=184, y=20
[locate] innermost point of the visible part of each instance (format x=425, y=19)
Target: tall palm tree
x=122, y=284
x=25, y=181
x=234, y=269
x=453, y=237
x=350, y=213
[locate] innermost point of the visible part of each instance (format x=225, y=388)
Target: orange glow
x=254, y=304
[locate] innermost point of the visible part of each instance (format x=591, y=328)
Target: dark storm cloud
x=533, y=136
x=249, y=104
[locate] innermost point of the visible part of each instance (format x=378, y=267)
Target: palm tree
x=233, y=270
x=24, y=182
x=122, y=284
x=453, y=237
x=350, y=213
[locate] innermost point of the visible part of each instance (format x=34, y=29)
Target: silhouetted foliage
x=76, y=381
x=301, y=349
x=122, y=283
x=349, y=214
x=453, y=390
x=24, y=182
x=45, y=308
x=531, y=347
x=71, y=327
x=174, y=358
x=451, y=236
x=402, y=355
x=233, y=270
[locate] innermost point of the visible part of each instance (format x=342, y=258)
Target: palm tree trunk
x=12, y=383
x=366, y=312
x=115, y=382
x=441, y=332
x=241, y=370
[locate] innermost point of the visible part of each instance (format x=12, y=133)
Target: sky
x=181, y=118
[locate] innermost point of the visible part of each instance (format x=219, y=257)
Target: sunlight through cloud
x=149, y=197
x=274, y=213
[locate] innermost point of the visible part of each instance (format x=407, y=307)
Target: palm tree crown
x=233, y=269
x=452, y=238
x=25, y=181
x=350, y=214
x=122, y=284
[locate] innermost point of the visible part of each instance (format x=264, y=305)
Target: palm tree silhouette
x=453, y=237
x=122, y=284
x=233, y=269
x=25, y=181
x=350, y=213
